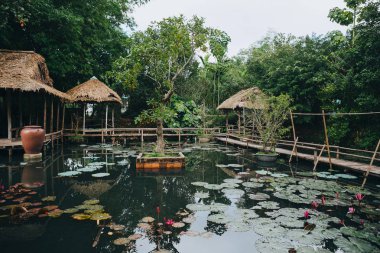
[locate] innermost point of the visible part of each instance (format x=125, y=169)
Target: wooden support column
x=106, y=117
x=326, y=138
x=226, y=122
x=58, y=117
x=63, y=121
x=84, y=117
x=319, y=157
x=9, y=114
x=239, y=121
x=293, y=150
x=51, y=115
x=371, y=163
x=113, y=120
x=45, y=112
x=294, y=129
x=243, y=121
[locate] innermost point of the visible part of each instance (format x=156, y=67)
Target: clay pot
x=32, y=138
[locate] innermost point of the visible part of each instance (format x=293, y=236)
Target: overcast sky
x=247, y=21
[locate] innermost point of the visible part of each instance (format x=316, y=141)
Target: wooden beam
x=9, y=114
x=371, y=163
x=84, y=117
x=293, y=128
x=326, y=138
x=293, y=150
x=51, y=115
x=319, y=157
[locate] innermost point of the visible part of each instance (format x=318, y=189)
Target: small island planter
x=269, y=157
x=155, y=163
x=32, y=138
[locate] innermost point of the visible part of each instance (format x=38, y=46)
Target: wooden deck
x=357, y=166
x=16, y=143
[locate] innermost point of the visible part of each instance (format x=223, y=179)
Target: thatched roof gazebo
x=94, y=91
x=24, y=73
x=241, y=101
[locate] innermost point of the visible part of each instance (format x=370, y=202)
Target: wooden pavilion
x=26, y=89
x=251, y=98
x=95, y=91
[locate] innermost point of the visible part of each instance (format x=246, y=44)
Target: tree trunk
x=160, y=147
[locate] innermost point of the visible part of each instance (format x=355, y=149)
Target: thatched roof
x=26, y=71
x=243, y=99
x=93, y=91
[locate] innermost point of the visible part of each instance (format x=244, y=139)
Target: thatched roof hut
x=243, y=99
x=26, y=71
x=93, y=91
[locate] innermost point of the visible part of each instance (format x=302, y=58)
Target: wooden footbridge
x=355, y=159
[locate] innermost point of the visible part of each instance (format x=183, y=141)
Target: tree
x=269, y=119
x=79, y=39
x=164, y=54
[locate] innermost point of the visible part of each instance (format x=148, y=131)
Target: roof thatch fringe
x=243, y=99
x=26, y=71
x=93, y=91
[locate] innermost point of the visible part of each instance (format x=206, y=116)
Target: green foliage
x=79, y=39
x=270, y=118
x=187, y=113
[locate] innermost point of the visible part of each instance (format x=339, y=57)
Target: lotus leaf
x=213, y=187
x=232, y=181
x=91, y=202
x=134, y=237
x=201, y=195
x=197, y=207
x=144, y=226
x=218, y=207
x=233, y=192
x=121, y=241
x=229, y=185
x=104, y=174
x=218, y=218
x=252, y=185
x=269, y=205
x=263, y=172
x=239, y=226
x=81, y=216
x=100, y=216
x=117, y=227
x=272, y=245
x=259, y=196
x=70, y=210
x=178, y=224
x=69, y=173
x=202, y=184
x=147, y=219
x=49, y=198
x=189, y=219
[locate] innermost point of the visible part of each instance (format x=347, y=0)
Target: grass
x=159, y=155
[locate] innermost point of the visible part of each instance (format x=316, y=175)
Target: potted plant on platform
x=202, y=134
x=162, y=57
x=269, y=123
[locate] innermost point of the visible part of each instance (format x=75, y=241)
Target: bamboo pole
x=51, y=115
x=326, y=138
x=293, y=128
x=9, y=114
x=58, y=107
x=293, y=150
x=84, y=117
x=371, y=163
x=319, y=157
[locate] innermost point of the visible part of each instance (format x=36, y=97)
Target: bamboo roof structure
x=26, y=71
x=244, y=99
x=93, y=91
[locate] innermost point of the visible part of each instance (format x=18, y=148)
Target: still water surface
x=257, y=213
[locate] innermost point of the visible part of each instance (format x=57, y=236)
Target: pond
x=90, y=198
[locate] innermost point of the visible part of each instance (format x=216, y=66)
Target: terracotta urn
x=32, y=138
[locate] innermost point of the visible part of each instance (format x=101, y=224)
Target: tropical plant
x=269, y=120
x=164, y=54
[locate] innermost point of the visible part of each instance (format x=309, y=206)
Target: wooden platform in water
x=357, y=166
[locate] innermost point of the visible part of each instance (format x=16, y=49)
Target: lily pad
x=213, y=186
x=134, y=237
x=218, y=218
x=104, y=174
x=202, y=184
x=232, y=181
x=81, y=216
x=147, y=219
x=49, y=198
x=178, y=224
x=252, y=184
x=100, y=216
x=197, y=207
x=121, y=241
x=259, y=196
x=69, y=173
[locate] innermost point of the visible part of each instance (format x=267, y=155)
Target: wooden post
x=371, y=163
x=9, y=114
x=243, y=121
x=84, y=117
x=326, y=138
x=337, y=153
x=51, y=115
x=319, y=157
x=315, y=155
x=226, y=121
x=293, y=150
x=63, y=116
x=106, y=117
x=239, y=115
x=57, y=126
x=20, y=108
x=113, y=120
x=142, y=136
x=293, y=128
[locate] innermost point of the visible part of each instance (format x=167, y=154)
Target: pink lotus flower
x=314, y=204
x=306, y=214
x=169, y=222
x=359, y=197
x=323, y=200
x=351, y=210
